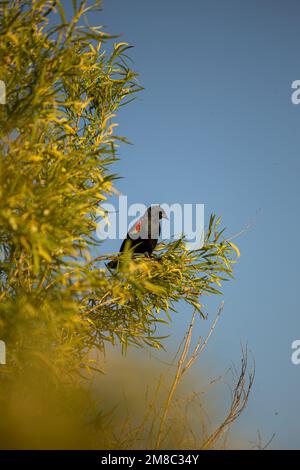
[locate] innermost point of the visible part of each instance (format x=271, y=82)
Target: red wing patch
x=138, y=227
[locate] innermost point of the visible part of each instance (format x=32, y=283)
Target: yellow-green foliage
x=57, y=146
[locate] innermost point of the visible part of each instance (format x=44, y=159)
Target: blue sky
x=216, y=125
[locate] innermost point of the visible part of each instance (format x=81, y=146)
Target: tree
x=58, y=146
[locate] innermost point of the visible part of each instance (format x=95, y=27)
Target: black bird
x=142, y=238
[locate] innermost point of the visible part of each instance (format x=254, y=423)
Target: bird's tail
x=112, y=264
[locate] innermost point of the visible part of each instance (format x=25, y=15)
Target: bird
x=142, y=238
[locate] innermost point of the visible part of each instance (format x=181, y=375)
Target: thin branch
x=239, y=401
x=182, y=367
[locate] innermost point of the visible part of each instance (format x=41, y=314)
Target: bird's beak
x=164, y=216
